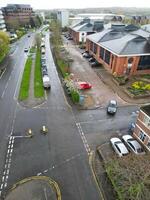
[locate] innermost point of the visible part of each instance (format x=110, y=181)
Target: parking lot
x=100, y=93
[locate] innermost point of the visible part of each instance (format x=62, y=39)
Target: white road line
x=9, y=142
x=84, y=140
x=11, y=150
x=8, y=151
x=3, y=178
x=9, y=147
x=2, y=73
x=12, y=145
x=1, y=186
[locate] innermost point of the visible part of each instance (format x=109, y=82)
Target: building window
x=107, y=57
x=101, y=55
x=148, y=144
x=95, y=48
x=147, y=121
x=144, y=63
x=142, y=136
x=91, y=46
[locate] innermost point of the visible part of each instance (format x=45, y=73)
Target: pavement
x=43, y=187
x=103, y=86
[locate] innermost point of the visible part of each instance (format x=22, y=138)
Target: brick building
x=142, y=128
x=17, y=15
x=83, y=28
x=123, y=50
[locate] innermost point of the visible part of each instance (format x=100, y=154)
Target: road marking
x=84, y=140
x=2, y=73
x=2, y=185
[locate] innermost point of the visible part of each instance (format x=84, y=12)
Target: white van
x=46, y=82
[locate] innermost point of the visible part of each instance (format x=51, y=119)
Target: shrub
x=75, y=96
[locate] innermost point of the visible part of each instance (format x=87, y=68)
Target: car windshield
x=140, y=150
x=112, y=105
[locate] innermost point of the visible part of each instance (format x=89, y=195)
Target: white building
x=63, y=17
x=2, y=22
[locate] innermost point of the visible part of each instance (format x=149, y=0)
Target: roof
x=124, y=41
x=146, y=109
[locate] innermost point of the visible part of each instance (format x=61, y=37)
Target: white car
x=119, y=147
x=133, y=145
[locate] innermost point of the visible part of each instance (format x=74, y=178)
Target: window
x=107, y=57
x=144, y=63
x=95, y=48
x=147, y=121
x=142, y=136
x=91, y=46
x=101, y=55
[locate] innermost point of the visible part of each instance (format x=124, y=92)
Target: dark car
x=91, y=60
x=112, y=107
x=26, y=50
x=86, y=51
x=87, y=55
x=44, y=72
x=70, y=38
x=95, y=64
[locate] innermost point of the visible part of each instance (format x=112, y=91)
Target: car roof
x=135, y=144
x=113, y=101
x=122, y=147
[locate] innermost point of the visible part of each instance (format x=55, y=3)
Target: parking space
x=100, y=92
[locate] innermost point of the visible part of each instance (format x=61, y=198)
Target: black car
x=94, y=64
x=91, y=59
x=26, y=50
x=87, y=55
x=112, y=107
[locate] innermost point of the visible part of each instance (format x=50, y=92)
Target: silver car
x=133, y=145
x=119, y=147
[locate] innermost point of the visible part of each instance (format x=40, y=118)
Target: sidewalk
x=39, y=187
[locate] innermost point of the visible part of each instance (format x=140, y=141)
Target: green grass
x=24, y=88
x=32, y=50
x=63, y=66
x=38, y=83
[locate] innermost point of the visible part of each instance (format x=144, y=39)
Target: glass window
x=107, y=57
x=95, y=48
x=144, y=63
x=147, y=121
x=142, y=136
x=101, y=53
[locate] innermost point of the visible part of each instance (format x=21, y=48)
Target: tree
x=4, y=45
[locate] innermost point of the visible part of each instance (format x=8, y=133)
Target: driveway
x=100, y=93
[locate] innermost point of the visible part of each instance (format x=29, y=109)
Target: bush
x=75, y=96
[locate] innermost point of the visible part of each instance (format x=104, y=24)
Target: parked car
x=83, y=85
x=119, y=147
x=25, y=50
x=70, y=38
x=86, y=51
x=112, y=107
x=28, y=35
x=131, y=127
x=46, y=82
x=92, y=59
x=95, y=64
x=44, y=71
x=133, y=144
x=86, y=55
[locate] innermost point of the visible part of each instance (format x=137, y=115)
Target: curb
x=51, y=182
x=99, y=186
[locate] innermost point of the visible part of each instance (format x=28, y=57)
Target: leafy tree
x=4, y=45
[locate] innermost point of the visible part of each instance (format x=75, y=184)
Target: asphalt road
x=62, y=154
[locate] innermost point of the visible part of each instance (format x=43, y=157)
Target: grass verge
x=24, y=88
x=38, y=83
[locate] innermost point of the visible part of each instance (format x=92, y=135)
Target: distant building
x=121, y=49
x=105, y=17
x=63, y=18
x=2, y=22
x=142, y=127
x=85, y=27
x=17, y=15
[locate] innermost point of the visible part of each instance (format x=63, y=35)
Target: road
x=62, y=154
